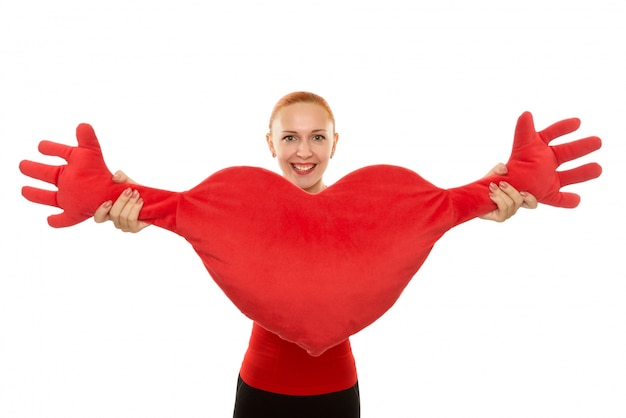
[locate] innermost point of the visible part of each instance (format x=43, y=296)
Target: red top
x=275, y=365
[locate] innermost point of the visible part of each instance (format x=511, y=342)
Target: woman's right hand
x=124, y=212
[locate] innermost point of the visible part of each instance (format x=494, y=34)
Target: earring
x=273, y=155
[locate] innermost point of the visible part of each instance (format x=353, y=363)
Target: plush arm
x=85, y=182
x=533, y=166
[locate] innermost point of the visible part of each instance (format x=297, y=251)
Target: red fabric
x=275, y=365
x=313, y=268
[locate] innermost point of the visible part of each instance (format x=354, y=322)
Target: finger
x=499, y=169
x=558, y=129
x=524, y=130
x=55, y=149
x=87, y=137
x=563, y=200
x=530, y=201
x=514, y=196
x=118, y=207
x=43, y=197
x=133, y=215
x=128, y=216
x=61, y=220
x=39, y=171
x=506, y=206
x=102, y=213
x=576, y=149
x=134, y=225
x=580, y=174
x=120, y=177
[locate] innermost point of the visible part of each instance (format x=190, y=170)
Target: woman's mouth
x=303, y=168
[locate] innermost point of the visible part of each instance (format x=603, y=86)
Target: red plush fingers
x=85, y=182
x=55, y=149
x=86, y=137
x=531, y=149
x=39, y=171
x=63, y=220
x=50, y=198
x=43, y=197
x=575, y=175
x=576, y=149
x=49, y=174
x=564, y=200
x=568, y=152
x=580, y=174
x=560, y=128
x=81, y=182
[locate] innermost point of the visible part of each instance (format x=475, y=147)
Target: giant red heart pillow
x=313, y=268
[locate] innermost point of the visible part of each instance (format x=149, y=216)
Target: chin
x=313, y=188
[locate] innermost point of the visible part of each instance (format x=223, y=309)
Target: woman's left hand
x=506, y=197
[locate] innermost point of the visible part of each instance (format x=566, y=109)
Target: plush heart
x=313, y=268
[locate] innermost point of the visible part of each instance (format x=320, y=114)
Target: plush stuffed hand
x=314, y=269
x=83, y=183
x=533, y=167
x=529, y=151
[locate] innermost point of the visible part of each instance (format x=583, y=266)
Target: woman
x=278, y=378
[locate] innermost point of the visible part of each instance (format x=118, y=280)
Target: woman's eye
x=289, y=138
x=319, y=137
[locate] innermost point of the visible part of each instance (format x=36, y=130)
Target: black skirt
x=255, y=403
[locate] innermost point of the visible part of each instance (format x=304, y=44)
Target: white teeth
x=300, y=167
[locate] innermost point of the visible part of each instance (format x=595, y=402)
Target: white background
x=522, y=319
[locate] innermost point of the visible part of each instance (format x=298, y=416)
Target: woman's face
x=303, y=139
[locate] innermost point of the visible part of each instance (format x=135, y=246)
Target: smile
x=303, y=168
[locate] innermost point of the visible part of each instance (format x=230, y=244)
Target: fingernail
x=504, y=184
x=107, y=204
x=524, y=194
x=493, y=187
x=135, y=194
x=128, y=192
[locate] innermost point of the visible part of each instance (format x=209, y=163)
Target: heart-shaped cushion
x=313, y=268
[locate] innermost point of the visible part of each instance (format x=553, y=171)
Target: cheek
x=282, y=155
x=323, y=149
x=326, y=153
x=283, y=149
x=283, y=163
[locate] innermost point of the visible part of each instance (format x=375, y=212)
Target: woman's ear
x=270, y=144
x=335, y=140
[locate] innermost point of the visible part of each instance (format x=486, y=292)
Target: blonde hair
x=300, y=97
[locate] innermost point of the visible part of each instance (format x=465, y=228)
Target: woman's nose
x=304, y=149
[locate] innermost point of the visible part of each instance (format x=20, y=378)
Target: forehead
x=302, y=116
